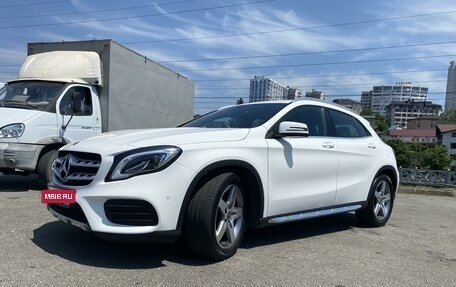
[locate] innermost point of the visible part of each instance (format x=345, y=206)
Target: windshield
x=241, y=116
x=35, y=95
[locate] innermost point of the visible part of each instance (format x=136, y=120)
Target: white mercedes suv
x=249, y=165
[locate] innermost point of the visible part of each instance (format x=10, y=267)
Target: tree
x=448, y=117
x=240, y=101
x=405, y=154
x=422, y=155
x=366, y=112
x=436, y=157
x=380, y=123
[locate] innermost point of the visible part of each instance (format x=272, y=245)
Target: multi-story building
x=294, y=93
x=382, y=96
x=446, y=135
x=450, y=97
x=316, y=95
x=266, y=89
x=351, y=104
x=398, y=113
x=366, y=99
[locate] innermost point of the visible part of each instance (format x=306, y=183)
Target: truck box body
x=136, y=92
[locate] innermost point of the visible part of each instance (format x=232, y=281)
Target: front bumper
x=19, y=156
x=164, y=190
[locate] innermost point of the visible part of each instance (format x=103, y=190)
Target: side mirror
x=76, y=103
x=293, y=129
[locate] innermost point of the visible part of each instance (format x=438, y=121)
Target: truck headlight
x=142, y=161
x=12, y=131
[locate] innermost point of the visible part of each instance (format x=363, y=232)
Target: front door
x=303, y=170
x=83, y=124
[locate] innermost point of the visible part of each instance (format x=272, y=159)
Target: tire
x=380, y=203
x=215, y=223
x=44, y=168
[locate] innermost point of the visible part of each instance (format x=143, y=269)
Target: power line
x=317, y=64
x=33, y=4
x=97, y=11
x=295, y=29
x=327, y=96
x=137, y=16
x=327, y=85
x=322, y=76
x=310, y=53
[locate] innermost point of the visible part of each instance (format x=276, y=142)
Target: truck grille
x=75, y=168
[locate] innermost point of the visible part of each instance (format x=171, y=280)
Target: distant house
x=446, y=135
x=355, y=106
x=316, y=95
x=422, y=123
x=412, y=136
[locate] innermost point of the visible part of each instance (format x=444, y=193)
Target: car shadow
x=84, y=248
x=80, y=247
x=17, y=183
x=299, y=230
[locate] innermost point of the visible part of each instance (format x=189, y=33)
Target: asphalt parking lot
x=416, y=248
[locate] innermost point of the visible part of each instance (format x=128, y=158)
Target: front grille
x=74, y=211
x=9, y=153
x=131, y=212
x=75, y=168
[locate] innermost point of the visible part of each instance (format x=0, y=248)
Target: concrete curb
x=427, y=191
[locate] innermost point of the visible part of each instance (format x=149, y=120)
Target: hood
x=15, y=116
x=118, y=141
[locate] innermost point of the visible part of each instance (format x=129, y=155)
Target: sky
x=339, y=47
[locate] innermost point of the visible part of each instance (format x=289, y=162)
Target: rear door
x=358, y=151
x=302, y=170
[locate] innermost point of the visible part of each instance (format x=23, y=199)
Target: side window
x=363, y=131
x=312, y=116
x=346, y=126
x=86, y=101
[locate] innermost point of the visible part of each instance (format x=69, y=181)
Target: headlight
x=12, y=131
x=142, y=161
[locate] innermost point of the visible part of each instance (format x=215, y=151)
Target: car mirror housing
x=292, y=129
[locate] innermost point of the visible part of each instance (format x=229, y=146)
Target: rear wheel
x=380, y=203
x=44, y=167
x=215, y=220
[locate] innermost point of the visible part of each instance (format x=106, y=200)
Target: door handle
x=328, y=145
x=372, y=146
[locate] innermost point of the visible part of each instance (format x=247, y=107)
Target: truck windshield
x=36, y=95
x=241, y=116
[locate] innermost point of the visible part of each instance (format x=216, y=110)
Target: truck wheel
x=380, y=203
x=215, y=218
x=44, y=167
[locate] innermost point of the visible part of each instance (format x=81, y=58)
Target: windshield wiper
x=18, y=103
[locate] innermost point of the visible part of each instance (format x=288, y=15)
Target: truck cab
x=42, y=111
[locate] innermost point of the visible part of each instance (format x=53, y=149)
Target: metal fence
x=427, y=177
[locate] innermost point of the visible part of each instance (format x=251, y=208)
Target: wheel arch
x=51, y=143
x=391, y=172
x=249, y=176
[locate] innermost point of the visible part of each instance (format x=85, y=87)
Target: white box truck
x=68, y=91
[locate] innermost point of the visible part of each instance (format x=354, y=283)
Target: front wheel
x=380, y=203
x=215, y=220
x=44, y=167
